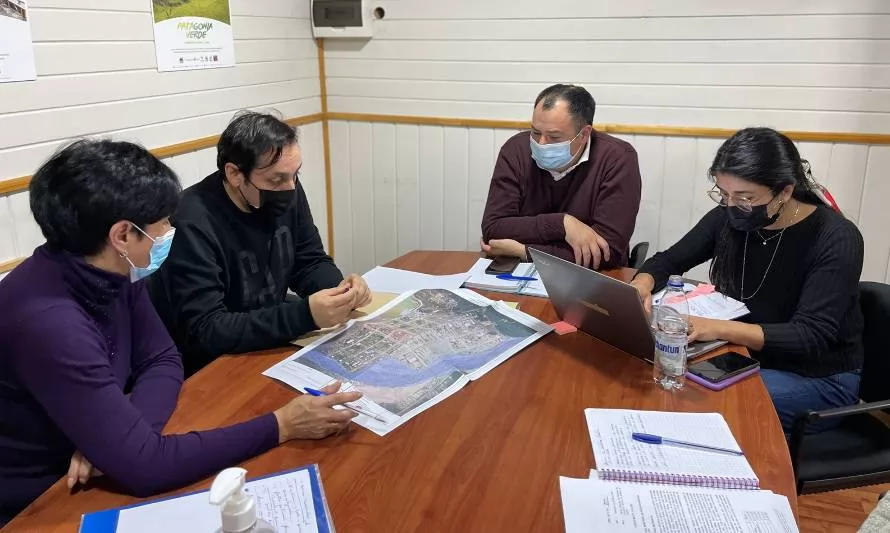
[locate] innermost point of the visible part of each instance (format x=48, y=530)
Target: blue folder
x=106, y=521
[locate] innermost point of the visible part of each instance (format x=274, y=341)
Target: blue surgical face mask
x=552, y=156
x=160, y=249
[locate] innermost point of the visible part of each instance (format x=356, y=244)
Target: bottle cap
x=675, y=281
x=237, y=507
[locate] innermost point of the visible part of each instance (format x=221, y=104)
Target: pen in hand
x=655, y=439
x=316, y=392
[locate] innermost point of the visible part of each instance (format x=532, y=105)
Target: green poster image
x=193, y=34
x=211, y=9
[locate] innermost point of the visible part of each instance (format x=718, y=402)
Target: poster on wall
x=16, y=49
x=193, y=34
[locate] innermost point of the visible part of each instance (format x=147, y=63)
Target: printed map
x=417, y=348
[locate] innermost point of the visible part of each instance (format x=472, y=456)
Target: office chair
x=857, y=451
x=638, y=255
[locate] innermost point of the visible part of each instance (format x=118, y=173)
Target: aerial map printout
x=412, y=353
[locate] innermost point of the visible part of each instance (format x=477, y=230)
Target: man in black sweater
x=244, y=235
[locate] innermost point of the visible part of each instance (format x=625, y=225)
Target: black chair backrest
x=875, y=303
x=638, y=255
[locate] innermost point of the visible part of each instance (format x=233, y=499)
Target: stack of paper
x=479, y=280
x=704, y=301
x=618, y=507
x=396, y=281
x=665, y=488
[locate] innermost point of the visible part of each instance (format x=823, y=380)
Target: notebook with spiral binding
x=620, y=458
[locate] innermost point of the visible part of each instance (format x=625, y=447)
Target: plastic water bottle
x=671, y=330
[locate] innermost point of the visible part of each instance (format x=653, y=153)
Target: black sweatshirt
x=223, y=288
x=808, y=305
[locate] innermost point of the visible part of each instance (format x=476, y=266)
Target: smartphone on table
x=502, y=265
x=723, y=370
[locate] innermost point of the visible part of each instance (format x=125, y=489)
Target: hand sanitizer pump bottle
x=237, y=507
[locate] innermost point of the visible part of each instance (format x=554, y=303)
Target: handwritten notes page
x=616, y=507
x=616, y=451
x=284, y=501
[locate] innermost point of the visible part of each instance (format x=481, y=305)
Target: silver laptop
x=602, y=307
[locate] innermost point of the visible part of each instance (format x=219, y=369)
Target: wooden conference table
x=486, y=459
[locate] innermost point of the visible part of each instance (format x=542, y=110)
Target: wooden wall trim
x=6, y=266
x=431, y=121
x=630, y=129
x=326, y=142
x=20, y=184
x=14, y=185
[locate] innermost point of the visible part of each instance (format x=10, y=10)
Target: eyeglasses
x=744, y=203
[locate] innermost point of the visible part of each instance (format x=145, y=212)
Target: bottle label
x=670, y=356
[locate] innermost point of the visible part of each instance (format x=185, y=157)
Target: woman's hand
x=80, y=470
x=644, y=283
x=706, y=329
x=311, y=417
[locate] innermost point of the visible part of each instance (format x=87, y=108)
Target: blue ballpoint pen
x=511, y=277
x=316, y=392
x=655, y=439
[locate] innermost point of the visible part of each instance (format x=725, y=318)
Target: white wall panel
x=8, y=249
x=480, y=162
x=454, y=195
x=312, y=176
x=817, y=66
x=97, y=76
x=600, y=71
x=806, y=52
x=845, y=177
x=574, y=28
x=494, y=9
x=25, y=159
x=431, y=177
x=386, y=211
x=408, y=178
x=873, y=214
x=361, y=173
x=341, y=191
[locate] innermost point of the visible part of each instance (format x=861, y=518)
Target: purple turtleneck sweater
x=86, y=364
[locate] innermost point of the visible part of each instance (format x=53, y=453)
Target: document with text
x=619, y=507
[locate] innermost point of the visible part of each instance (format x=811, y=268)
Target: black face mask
x=756, y=219
x=273, y=204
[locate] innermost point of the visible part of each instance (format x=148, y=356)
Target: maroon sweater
x=525, y=203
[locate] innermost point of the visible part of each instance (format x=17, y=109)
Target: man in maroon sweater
x=563, y=188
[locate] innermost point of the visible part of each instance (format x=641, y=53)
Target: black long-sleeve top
x=808, y=306
x=223, y=288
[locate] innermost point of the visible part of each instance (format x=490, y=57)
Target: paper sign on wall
x=16, y=49
x=193, y=34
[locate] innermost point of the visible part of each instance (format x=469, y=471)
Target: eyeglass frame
x=722, y=199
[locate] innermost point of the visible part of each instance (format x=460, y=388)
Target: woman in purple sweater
x=89, y=376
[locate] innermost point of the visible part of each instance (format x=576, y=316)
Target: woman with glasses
x=89, y=376
x=793, y=260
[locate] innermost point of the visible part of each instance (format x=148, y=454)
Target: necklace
x=766, y=272
x=765, y=240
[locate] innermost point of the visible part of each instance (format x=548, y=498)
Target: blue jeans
x=793, y=394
